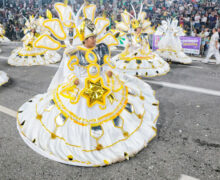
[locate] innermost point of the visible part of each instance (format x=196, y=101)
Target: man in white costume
x=213, y=47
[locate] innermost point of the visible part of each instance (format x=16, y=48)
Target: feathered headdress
x=129, y=22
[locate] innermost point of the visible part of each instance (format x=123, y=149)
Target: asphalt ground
x=188, y=140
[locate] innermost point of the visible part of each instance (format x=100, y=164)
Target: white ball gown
x=137, y=58
x=28, y=55
x=3, y=39
x=102, y=120
x=170, y=46
x=3, y=78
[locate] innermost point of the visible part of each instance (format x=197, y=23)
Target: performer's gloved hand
x=109, y=74
x=76, y=82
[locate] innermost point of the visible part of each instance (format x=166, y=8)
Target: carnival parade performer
x=170, y=47
x=28, y=55
x=213, y=47
x=137, y=58
x=91, y=114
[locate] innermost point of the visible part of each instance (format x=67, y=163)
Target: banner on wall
x=190, y=45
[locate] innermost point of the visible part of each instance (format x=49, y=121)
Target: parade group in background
x=97, y=110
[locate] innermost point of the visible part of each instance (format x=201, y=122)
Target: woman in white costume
x=3, y=39
x=170, y=47
x=93, y=115
x=28, y=55
x=137, y=58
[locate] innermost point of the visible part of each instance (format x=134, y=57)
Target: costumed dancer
x=3, y=39
x=91, y=115
x=28, y=55
x=137, y=58
x=213, y=47
x=170, y=47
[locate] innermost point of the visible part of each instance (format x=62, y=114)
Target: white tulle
x=61, y=75
x=3, y=78
x=143, y=61
x=170, y=47
x=154, y=66
x=37, y=134
x=23, y=57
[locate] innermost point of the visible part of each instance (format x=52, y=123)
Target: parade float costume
x=3, y=39
x=3, y=78
x=137, y=58
x=170, y=47
x=101, y=120
x=28, y=55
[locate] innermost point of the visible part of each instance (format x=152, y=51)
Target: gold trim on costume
x=54, y=33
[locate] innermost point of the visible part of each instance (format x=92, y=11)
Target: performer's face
x=138, y=30
x=90, y=42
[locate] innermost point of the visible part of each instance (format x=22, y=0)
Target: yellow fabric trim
x=93, y=11
x=71, y=65
x=104, y=27
x=45, y=47
x=34, y=54
x=120, y=139
x=122, y=28
x=95, y=75
x=54, y=33
x=124, y=18
x=97, y=138
x=167, y=50
x=61, y=16
x=87, y=56
x=105, y=36
x=107, y=61
x=86, y=150
x=85, y=122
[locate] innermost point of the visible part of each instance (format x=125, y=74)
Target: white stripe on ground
x=3, y=57
x=186, y=88
x=8, y=111
x=48, y=65
x=200, y=59
x=197, y=67
x=53, y=65
x=185, y=177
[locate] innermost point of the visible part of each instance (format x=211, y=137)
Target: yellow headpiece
x=136, y=24
x=86, y=29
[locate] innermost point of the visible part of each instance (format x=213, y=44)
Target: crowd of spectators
x=197, y=17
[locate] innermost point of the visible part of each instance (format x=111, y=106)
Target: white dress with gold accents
x=28, y=55
x=3, y=78
x=102, y=120
x=3, y=39
x=170, y=47
x=137, y=58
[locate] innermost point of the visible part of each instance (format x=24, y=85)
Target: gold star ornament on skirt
x=95, y=92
